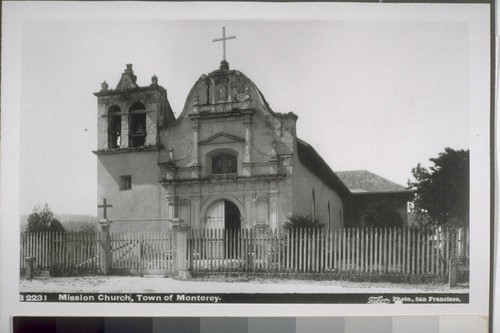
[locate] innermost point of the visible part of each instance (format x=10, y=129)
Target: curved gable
x=224, y=91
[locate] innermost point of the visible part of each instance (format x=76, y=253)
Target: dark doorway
x=232, y=216
x=232, y=224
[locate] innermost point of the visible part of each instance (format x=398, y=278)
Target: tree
x=381, y=214
x=42, y=219
x=442, y=191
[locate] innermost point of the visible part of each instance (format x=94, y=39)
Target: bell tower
x=129, y=117
x=129, y=121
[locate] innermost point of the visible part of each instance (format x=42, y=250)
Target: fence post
x=453, y=272
x=105, y=260
x=181, y=229
x=30, y=268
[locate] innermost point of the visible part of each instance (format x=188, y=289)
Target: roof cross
x=223, y=40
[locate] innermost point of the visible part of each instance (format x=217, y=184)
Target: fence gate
x=143, y=253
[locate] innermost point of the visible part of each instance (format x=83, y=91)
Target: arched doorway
x=232, y=216
x=225, y=215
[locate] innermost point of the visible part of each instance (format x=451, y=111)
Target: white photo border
x=476, y=15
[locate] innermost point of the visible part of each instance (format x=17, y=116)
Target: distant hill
x=71, y=222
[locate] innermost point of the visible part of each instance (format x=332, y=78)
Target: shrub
x=56, y=270
x=300, y=221
x=42, y=219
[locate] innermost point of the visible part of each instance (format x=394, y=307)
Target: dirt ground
x=156, y=284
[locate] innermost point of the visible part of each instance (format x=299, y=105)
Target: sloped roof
x=363, y=181
x=312, y=161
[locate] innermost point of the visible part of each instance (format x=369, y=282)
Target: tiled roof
x=362, y=181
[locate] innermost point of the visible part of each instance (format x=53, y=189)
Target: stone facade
x=227, y=161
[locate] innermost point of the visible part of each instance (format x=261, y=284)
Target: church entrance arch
x=232, y=216
x=224, y=214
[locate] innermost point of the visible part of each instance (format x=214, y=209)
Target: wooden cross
x=105, y=206
x=223, y=40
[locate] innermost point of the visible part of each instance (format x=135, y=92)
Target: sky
x=379, y=95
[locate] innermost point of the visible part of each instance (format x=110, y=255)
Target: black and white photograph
x=326, y=155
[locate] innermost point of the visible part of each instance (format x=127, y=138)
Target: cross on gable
x=104, y=206
x=223, y=40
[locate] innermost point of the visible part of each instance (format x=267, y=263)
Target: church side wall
x=304, y=182
x=286, y=204
x=142, y=201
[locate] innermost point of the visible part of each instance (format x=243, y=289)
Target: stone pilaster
x=196, y=128
x=248, y=211
x=273, y=212
x=246, y=165
x=102, y=126
x=105, y=244
x=124, y=133
x=181, y=236
x=248, y=139
x=151, y=125
x=211, y=91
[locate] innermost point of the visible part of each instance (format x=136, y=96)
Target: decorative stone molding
x=172, y=159
x=171, y=171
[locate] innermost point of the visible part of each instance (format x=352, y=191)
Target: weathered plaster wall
x=304, y=182
x=264, y=135
x=143, y=200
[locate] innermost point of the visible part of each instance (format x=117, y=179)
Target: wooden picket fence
x=365, y=251
x=61, y=252
x=80, y=252
x=143, y=253
x=382, y=251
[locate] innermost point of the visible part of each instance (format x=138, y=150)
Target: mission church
x=227, y=161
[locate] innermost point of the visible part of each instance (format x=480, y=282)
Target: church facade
x=227, y=161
